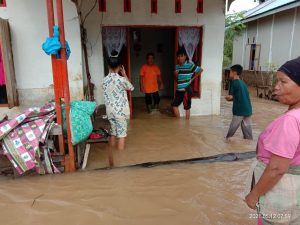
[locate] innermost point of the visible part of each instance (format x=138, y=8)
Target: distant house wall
x=278, y=35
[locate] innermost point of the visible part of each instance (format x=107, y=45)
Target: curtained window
x=190, y=38
x=114, y=38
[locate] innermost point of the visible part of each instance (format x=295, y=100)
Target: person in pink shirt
x=275, y=191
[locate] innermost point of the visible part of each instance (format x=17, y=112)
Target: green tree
x=234, y=27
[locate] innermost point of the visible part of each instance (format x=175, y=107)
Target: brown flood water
x=169, y=195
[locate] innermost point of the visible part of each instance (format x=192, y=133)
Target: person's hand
x=251, y=200
x=161, y=86
x=176, y=72
x=229, y=97
x=122, y=71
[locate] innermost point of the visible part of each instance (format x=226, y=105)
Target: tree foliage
x=234, y=27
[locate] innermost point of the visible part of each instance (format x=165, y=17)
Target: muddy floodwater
x=178, y=194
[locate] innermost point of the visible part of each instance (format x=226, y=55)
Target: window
x=153, y=6
x=2, y=3
x=102, y=5
x=200, y=6
x=127, y=5
x=177, y=6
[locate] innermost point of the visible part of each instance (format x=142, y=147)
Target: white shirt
x=115, y=89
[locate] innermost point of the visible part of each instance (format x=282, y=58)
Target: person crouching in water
x=115, y=87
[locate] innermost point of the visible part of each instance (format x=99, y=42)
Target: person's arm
x=229, y=98
x=127, y=85
x=142, y=79
x=197, y=74
x=176, y=72
x=282, y=142
x=274, y=171
x=141, y=84
x=161, y=83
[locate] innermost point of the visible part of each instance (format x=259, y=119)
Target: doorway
x=160, y=42
x=134, y=42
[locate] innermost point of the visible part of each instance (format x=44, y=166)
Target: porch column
x=61, y=81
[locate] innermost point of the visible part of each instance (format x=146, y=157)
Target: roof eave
x=272, y=11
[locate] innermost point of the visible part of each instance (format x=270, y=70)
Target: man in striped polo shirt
x=185, y=73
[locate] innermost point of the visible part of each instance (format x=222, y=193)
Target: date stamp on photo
x=277, y=216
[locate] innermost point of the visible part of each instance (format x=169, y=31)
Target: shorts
x=183, y=96
x=118, y=127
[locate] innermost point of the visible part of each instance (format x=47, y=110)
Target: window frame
x=3, y=3
x=102, y=5
x=154, y=6
x=178, y=6
x=127, y=6
x=200, y=6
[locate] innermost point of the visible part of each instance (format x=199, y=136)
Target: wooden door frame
x=8, y=63
x=199, y=50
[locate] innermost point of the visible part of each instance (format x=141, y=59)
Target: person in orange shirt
x=149, y=78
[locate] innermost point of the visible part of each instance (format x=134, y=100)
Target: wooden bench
x=264, y=92
x=83, y=150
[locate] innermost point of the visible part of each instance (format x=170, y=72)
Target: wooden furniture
x=83, y=151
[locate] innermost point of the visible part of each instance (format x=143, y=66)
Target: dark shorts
x=185, y=97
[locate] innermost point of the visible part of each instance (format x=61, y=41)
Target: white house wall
x=238, y=46
x=29, y=29
x=212, y=21
x=279, y=42
x=296, y=42
x=251, y=32
x=282, y=37
x=263, y=38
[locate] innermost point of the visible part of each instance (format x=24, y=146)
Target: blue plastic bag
x=52, y=45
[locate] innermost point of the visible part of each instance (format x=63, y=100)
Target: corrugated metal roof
x=267, y=7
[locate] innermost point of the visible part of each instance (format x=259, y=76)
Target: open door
x=197, y=59
x=9, y=71
x=175, y=56
x=119, y=32
x=125, y=58
x=247, y=57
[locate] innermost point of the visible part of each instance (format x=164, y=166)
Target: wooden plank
x=110, y=157
x=56, y=130
x=101, y=140
x=86, y=155
x=7, y=56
